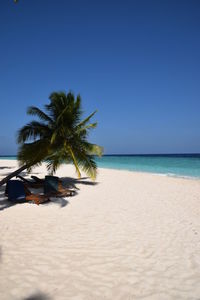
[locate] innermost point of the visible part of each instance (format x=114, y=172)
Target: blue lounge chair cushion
x=50, y=184
x=15, y=190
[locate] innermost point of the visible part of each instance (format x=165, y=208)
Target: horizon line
x=127, y=154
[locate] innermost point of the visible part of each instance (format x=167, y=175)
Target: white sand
x=131, y=236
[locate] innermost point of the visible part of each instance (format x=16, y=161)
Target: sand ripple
x=132, y=236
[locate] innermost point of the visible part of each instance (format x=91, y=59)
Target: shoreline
x=156, y=174
x=132, y=171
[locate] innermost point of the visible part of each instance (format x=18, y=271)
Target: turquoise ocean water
x=187, y=165
x=171, y=165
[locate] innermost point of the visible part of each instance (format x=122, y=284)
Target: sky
x=136, y=62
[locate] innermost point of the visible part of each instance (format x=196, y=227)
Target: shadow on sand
x=37, y=296
x=24, y=173
x=68, y=182
x=72, y=183
x=5, y=203
x=4, y=167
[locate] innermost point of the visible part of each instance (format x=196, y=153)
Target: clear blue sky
x=137, y=62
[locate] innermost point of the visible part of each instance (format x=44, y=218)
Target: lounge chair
x=18, y=192
x=53, y=187
x=37, y=179
x=32, y=184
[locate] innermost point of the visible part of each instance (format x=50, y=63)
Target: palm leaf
x=93, y=149
x=32, y=130
x=34, y=111
x=82, y=123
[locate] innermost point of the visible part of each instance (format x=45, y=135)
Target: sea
x=178, y=165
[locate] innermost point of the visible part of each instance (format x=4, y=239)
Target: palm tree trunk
x=4, y=180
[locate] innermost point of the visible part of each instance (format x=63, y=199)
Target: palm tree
x=60, y=136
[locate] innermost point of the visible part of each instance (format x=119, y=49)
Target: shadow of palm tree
x=62, y=202
x=24, y=173
x=70, y=182
x=4, y=167
x=37, y=296
x=4, y=203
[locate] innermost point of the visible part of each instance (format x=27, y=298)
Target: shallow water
x=181, y=165
x=172, y=165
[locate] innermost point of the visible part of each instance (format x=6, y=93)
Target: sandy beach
x=127, y=236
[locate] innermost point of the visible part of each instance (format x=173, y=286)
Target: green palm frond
x=34, y=111
x=84, y=130
x=87, y=164
x=32, y=130
x=33, y=153
x=93, y=149
x=53, y=164
x=60, y=137
x=77, y=105
x=86, y=120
